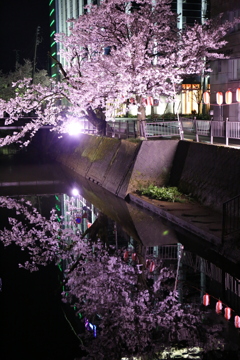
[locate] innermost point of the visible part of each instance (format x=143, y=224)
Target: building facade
x=225, y=74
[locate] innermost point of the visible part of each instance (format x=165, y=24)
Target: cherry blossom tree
x=116, y=51
x=125, y=313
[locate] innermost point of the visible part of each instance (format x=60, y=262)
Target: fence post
x=196, y=129
x=211, y=132
x=227, y=131
x=181, y=132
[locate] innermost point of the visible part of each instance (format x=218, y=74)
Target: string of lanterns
x=219, y=309
x=219, y=97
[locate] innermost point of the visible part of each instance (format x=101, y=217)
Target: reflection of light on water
x=75, y=192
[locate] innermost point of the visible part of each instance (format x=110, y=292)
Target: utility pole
x=37, y=42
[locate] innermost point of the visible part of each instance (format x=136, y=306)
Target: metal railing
x=231, y=217
x=165, y=252
x=162, y=129
x=148, y=129
x=87, y=127
x=122, y=129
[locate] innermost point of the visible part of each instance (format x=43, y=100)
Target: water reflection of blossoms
x=125, y=311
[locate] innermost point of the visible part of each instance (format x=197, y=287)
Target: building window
x=234, y=69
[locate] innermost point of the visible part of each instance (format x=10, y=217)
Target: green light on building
x=52, y=44
x=52, y=22
x=52, y=33
x=53, y=54
x=54, y=75
x=51, y=12
x=50, y=2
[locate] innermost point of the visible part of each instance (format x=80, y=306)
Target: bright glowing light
x=75, y=192
x=74, y=128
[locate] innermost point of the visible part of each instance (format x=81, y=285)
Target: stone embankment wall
x=210, y=173
x=120, y=166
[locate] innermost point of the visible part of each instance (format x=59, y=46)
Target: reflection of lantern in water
x=152, y=266
x=237, y=321
x=206, y=97
x=219, y=98
x=228, y=97
x=227, y=313
x=218, y=307
x=134, y=256
x=125, y=255
x=147, y=263
x=206, y=300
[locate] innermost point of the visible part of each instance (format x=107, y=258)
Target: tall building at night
x=226, y=73
x=190, y=11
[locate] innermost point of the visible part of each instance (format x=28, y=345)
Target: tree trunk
x=141, y=117
x=97, y=118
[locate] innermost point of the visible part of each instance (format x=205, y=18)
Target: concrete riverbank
x=209, y=173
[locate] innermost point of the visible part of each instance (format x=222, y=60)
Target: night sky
x=19, y=20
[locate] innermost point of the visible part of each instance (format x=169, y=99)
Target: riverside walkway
x=204, y=225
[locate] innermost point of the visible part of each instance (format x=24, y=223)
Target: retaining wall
x=210, y=173
x=120, y=166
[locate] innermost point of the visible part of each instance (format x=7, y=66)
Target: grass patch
x=171, y=194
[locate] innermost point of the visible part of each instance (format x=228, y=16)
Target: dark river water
x=34, y=323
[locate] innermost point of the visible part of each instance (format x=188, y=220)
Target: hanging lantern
x=219, y=98
x=152, y=266
x=206, y=300
x=238, y=94
x=149, y=101
x=218, y=307
x=227, y=313
x=228, y=97
x=125, y=255
x=155, y=102
x=237, y=321
x=206, y=97
x=134, y=256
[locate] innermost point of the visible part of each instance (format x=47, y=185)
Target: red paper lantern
x=227, y=313
x=134, y=256
x=206, y=300
x=152, y=266
x=219, y=98
x=149, y=101
x=238, y=94
x=125, y=255
x=237, y=321
x=228, y=97
x=206, y=97
x=218, y=307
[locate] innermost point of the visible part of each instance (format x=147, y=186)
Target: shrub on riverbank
x=171, y=194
